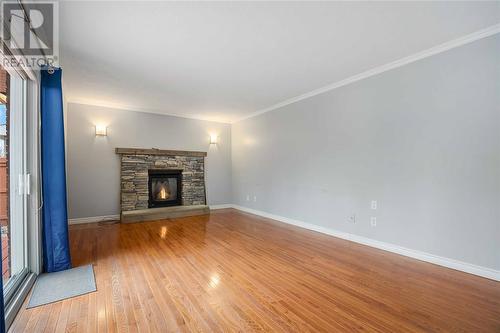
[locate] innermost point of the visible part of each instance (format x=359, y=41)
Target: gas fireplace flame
x=163, y=193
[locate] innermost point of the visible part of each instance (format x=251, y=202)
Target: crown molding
x=483, y=33
x=480, y=34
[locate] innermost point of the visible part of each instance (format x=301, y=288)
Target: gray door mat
x=53, y=287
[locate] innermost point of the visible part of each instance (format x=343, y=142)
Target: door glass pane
x=12, y=180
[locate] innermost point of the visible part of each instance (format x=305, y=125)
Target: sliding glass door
x=14, y=181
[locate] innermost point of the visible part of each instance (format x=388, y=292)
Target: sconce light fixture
x=101, y=130
x=213, y=139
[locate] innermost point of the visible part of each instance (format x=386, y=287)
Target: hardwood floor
x=232, y=271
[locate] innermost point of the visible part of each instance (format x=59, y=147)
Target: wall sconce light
x=213, y=139
x=101, y=130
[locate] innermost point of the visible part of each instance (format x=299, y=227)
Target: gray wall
x=94, y=169
x=423, y=140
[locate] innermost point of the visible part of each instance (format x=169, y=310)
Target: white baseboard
x=224, y=206
x=434, y=259
x=94, y=219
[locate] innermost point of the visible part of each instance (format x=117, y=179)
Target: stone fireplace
x=154, y=183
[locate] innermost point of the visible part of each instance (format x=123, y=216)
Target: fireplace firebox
x=164, y=187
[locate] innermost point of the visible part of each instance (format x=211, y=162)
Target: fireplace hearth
x=164, y=187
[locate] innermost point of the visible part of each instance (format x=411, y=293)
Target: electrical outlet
x=352, y=218
x=254, y=198
x=374, y=204
x=248, y=197
x=373, y=221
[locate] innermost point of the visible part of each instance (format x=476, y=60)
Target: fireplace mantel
x=159, y=152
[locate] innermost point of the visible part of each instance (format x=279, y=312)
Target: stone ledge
x=154, y=151
x=152, y=214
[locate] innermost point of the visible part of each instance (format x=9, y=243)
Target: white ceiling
x=224, y=60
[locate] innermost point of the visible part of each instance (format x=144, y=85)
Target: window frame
x=15, y=296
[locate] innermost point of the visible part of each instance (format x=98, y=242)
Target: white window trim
x=34, y=253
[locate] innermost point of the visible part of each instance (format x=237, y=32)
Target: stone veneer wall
x=134, y=178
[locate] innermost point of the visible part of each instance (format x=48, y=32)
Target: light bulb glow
x=101, y=130
x=213, y=139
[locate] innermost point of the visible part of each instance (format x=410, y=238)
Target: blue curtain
x=56, y=255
